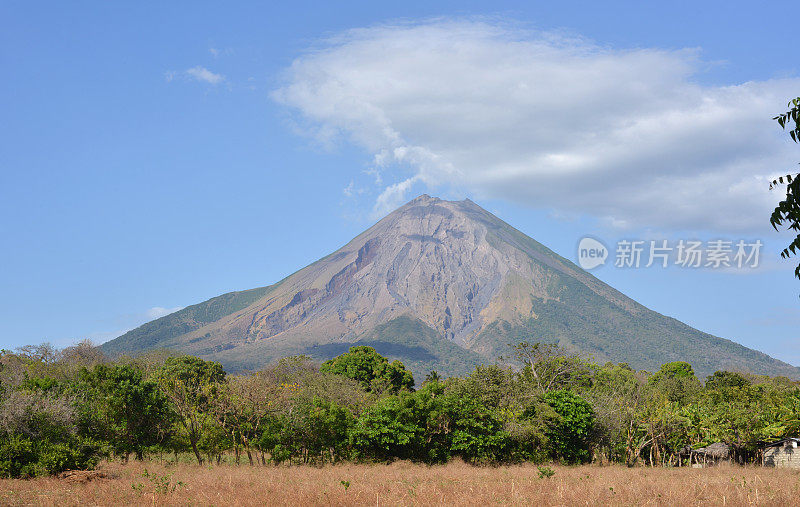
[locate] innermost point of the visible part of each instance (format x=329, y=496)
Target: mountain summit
x=441, y=285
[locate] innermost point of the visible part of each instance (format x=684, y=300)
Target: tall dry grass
x=410, y=484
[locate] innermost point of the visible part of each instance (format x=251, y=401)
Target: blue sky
x=154, y=156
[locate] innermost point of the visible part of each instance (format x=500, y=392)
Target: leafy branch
x=787, y=212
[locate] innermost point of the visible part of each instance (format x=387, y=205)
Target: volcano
x=440, y=285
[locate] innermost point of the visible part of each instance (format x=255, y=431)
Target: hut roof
x=715, y=450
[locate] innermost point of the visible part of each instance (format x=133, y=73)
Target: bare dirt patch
x=81, y=476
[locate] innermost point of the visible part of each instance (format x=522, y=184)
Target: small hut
x=784, y=453
x=712, y=454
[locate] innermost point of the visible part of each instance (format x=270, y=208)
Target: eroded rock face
x=450, y=264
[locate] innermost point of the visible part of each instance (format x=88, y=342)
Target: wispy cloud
x=393, y=196
x=119, y=325
x=351, y=190
x=198, y=73
x=218, y=52
x=627, y=136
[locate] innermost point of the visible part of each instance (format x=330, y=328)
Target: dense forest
x=69, y=409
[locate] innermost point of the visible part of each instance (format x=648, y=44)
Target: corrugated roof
x=781, y=442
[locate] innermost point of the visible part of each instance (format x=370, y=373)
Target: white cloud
x=218, y=52
x=376, y=174
x=393, y=196
x=120, y=324
x=628, y=136
x=202, y=74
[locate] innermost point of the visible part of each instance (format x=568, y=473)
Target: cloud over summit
x=628, y=136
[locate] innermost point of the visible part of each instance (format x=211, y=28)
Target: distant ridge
x=441, y=285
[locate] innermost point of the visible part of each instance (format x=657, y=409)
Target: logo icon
x=591, y=253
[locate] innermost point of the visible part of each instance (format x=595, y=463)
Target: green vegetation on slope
x=157, y=333
x=583, y=321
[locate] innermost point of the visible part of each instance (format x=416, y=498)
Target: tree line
x=68, y=409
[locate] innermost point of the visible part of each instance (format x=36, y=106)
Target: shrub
x=570, y=435
x=23, y=457
x=429, y=425
x=16, y=456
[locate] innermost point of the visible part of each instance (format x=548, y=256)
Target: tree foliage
x=372, y=370
x=787, y=212
x=191, y=384
x=430, y=425
x=123, y=408
x=551, y=367
x=677, y=382
x=572, y=432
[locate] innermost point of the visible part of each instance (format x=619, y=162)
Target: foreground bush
x=23, y=457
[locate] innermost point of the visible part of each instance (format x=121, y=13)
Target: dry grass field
x=407, y=484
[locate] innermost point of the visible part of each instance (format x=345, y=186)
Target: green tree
x=478, y=434
x=39, y=431
x=726, y=380
x=372, y=370
x=551, y=367
x=676, y=381
x=325, y=428
x=516, y=401
x=529, y=432
x=394, y=427
x=429, y=425
x=122, y=408
x=493, y=385
x=190, y=383
x=787, y=212
x=571, y=434
x=242, y=406
x=619, y=397
x=308, y=411
x=742, y=411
